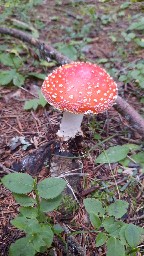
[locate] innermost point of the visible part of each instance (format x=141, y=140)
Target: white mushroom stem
x=70, y=125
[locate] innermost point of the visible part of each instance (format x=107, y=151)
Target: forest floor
x=95, y=31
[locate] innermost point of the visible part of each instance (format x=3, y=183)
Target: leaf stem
x=37, y=199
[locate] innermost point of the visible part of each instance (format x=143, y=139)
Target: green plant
x=45, y=197
x=34, y=103
x=15, y=72
x=67, y=49
x=133, y=72
x=15, y=62
x=121, y=239
x=19, y=8
x=68, y=205
x=14, y=57
x=116, y=153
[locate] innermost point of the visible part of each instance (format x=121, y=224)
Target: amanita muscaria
x=78, y=88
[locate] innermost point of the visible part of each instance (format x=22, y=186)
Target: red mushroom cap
x=80, y=87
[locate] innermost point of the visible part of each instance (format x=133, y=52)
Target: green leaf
x=115, y=247
x=22, y=247
x=134, y=74
x=20, y=183
x=24, y=200
x=140, y=42
x=3, y=47
x=101, y=239
x=107, y=222
x=140, y=65
x=122, y=234
x=42, y=100
x=68, y=50
x=10, y=60
x=125, y=162
x=29, y=212
x=28, y=225
x=138, y=25
x=6, y=76
x=118, y=208
x=142, y=100
x=34, y=103
x=46, y=234
x=37, y=75
x=132, y=147
x=123, y=78
x=93, y=205
x=141, y=84
x=139, y=157
x=31, y=104
x=133, y=235
x=95, y=220
x=36, y=241
x=48, y=205
x=58, y=229
x=114, y=228
x=51, y=187
x=48, y=64
x=42, y=238
x=18, y=79
x=125, y=5
x=97, y=136
x=123, y=188
x=103, y=60
x=113, y=154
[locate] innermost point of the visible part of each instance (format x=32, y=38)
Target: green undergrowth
x=120, y=238
x=33, y=219
x=123, y=25
x=38, y=199
x=88, y=22
x=19, y=65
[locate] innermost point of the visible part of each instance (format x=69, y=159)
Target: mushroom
x=78, y=88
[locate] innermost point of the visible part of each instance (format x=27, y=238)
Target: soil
x=38, y=128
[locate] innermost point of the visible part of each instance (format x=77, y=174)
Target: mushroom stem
x=70, y=125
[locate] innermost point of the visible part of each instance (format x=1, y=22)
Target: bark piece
x=33, y=163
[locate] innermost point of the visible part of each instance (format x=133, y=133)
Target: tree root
x=127, y=111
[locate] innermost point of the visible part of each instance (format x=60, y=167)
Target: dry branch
x=130, y=114
x=49, y=51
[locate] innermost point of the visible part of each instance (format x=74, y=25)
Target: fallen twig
x=97, y=187
x=137, y=218
x=123, y=107
x=130, y=114
x=5, y=169
x=48, y=51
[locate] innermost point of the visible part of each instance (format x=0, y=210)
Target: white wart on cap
x=79, y=88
